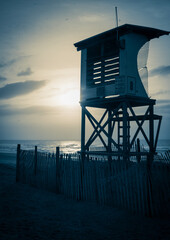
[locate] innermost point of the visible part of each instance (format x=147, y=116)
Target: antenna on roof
x=116, y=16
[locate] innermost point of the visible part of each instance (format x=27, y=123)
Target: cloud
x=163, y=110
x=20, y=88
x=4, y=64
x=161, y=71
x=26, y=72
x=2, y=78
x=163, y=107
x=163, y=92
x=8, y=63
x=164, y=101
x=7, y=109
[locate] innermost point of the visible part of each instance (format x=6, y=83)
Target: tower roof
x=149, y=32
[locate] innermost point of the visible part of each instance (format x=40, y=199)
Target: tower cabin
x=113, y=63
x=114, y=77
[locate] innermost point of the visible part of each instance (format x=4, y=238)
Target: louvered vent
x=102, y=64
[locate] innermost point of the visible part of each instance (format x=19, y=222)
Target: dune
x=30, y=213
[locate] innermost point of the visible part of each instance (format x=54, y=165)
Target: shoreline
x=8, y=159
x=10, y=146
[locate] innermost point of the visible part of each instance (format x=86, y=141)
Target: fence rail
x=138, y=187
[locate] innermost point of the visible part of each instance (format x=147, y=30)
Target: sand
x=30, y=213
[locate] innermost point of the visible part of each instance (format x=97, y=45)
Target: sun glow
x=70, y=98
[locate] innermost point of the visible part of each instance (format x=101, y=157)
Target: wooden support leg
x=151, y=134
x=18, y=162
x=125, y=127
x=110, y=134
x=83, y=133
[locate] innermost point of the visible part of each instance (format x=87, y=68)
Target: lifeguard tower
x=114, y=78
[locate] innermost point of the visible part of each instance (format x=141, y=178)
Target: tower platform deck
x=113, y=102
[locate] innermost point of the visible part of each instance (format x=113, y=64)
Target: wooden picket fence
x=138, y=187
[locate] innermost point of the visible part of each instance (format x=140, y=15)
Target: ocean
x=10, y=146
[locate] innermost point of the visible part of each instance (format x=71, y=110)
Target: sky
x=40, y=67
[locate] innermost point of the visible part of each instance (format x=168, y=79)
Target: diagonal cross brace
x=102, y=127
x=97, y=132
x=139, y=125
x=157, y=133
x=90, y=141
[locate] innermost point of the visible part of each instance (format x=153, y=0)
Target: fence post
x=18, y=162
x=35, y=161
x=57, y=169
x=138, y=151
x=149, y=186
x=87, y=158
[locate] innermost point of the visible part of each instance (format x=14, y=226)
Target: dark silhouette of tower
x=114, y=78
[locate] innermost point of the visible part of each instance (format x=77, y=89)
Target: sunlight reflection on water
x=10, y=146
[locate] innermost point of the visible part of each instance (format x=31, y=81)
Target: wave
x=10, y=146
